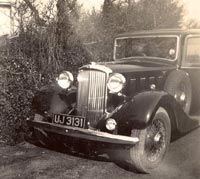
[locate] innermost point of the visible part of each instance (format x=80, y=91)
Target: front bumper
x=87, y=134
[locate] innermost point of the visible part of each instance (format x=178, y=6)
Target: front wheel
x=154, y=141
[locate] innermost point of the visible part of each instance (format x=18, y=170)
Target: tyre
x=178, y=85
x=153, y=143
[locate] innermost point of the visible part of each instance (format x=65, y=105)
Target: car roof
x=161, y=32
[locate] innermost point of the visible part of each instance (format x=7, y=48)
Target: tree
x=108, y=26
x=192, y=24
x=35, y=12
x=69, y=50
x=108, y=12
x=64, y=27
x=160, y=14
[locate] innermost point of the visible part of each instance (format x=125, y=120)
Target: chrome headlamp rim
x=65, y=79
x=111, y=124
x=116, y=82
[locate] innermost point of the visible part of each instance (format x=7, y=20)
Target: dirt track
x=26, y=161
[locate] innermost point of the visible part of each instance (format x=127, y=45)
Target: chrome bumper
x=87, y=134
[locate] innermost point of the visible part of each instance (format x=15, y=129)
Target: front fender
x=53, y=99
x=137, y=112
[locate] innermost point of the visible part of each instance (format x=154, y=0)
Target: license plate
x=68, y=120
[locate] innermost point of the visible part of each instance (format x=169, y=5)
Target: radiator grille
x=91, y=95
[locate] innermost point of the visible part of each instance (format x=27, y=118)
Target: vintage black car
x=139, y=102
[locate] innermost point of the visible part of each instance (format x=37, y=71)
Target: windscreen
x=159, y=47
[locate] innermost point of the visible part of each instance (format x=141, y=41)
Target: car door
x=191, y=64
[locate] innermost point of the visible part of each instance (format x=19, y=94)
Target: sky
x=192, y=11
x=192, y=8
x=89, y=4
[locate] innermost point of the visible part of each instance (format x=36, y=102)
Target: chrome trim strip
x=196, y=67
x=98, y=67
x=152, y=79
x=143, y=81
x=133, y=85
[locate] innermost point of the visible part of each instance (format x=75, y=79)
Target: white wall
x=4, y=21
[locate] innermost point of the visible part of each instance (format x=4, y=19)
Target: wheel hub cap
x=155, y=140
x=183, y=97
x=157, y=137
x=180, y=95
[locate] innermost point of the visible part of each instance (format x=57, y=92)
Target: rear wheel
x=178, y=85
x=154, y=141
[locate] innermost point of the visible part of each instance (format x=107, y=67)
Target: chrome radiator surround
x=92, y=92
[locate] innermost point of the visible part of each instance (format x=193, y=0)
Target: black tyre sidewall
x=137, y=152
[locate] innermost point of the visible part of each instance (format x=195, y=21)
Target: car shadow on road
x=76, y=148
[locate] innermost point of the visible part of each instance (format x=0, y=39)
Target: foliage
x=162, y=13
x=34, y=59
x=192, y=24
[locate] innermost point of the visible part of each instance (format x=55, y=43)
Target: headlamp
x=65, y=79
x=116, y=82
x=111, y=124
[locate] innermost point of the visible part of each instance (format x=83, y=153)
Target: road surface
x=26, y=161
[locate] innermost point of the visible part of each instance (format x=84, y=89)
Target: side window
x=192, y=57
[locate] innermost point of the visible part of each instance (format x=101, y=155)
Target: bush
x=29, y=64
x=20, y=79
